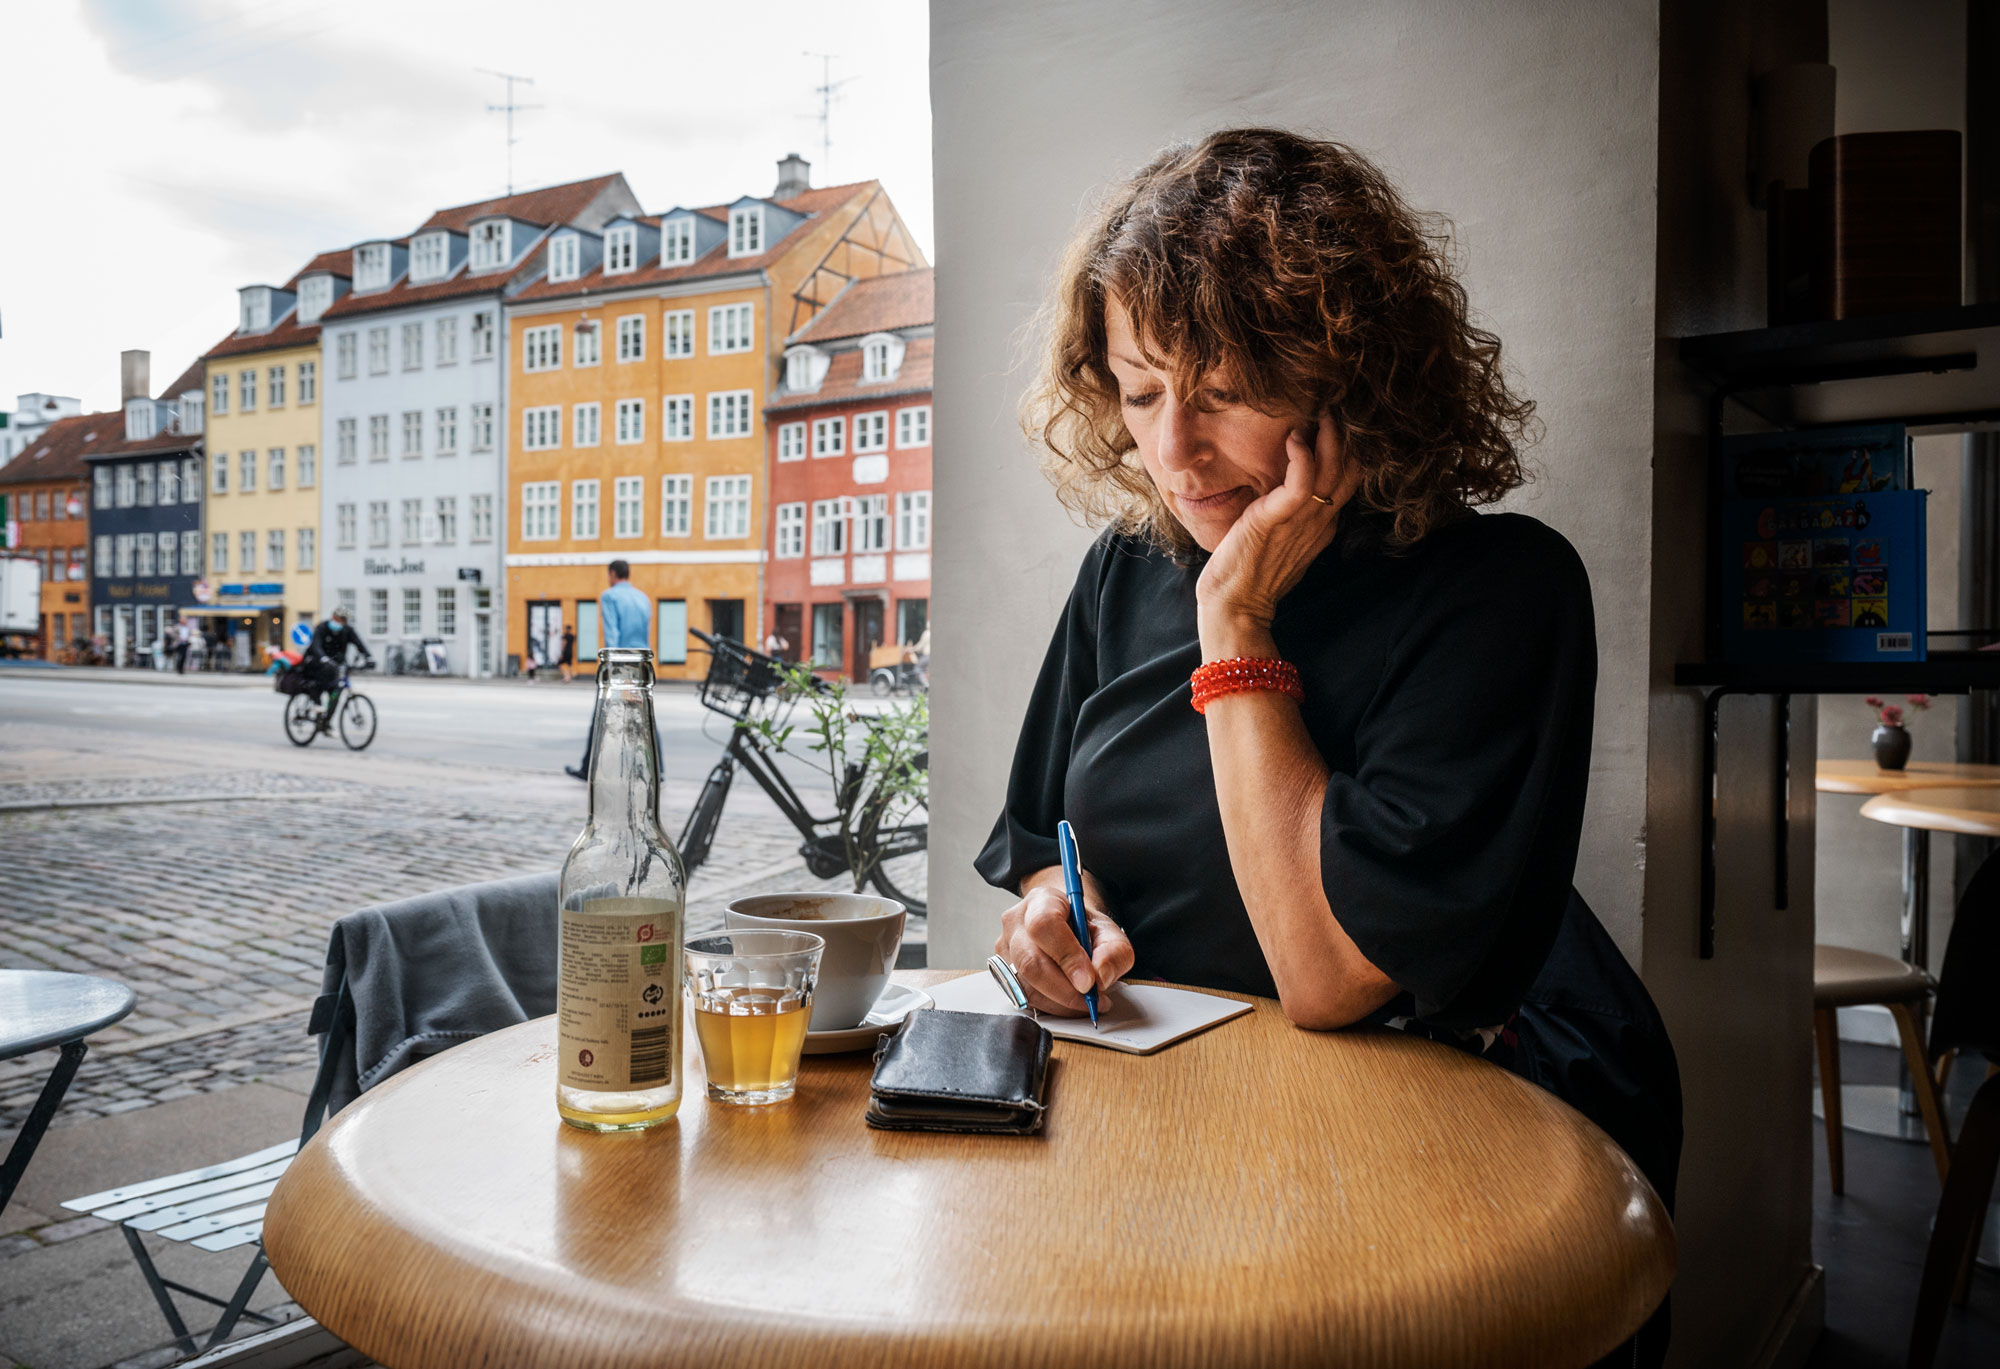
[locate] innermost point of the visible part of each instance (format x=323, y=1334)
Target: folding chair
x=402, y=981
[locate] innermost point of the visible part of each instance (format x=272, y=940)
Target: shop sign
x=370, y=566
x=204, y=592
x=117, y=589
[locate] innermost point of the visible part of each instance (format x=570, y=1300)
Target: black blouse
x=1448, y=687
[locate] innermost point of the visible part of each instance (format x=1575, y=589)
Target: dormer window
x=881, y=357
x=621, y=249
x=141, y=416
x=371, y=266
x=490, y=244
x=430, y=257
x=746, y=230
x=676, y=242
x=565, y=255
x=315, y=297
x=191, y=412
x=805, y=368
x=255, y=301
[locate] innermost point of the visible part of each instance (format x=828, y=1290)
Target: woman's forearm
x=1270, y=782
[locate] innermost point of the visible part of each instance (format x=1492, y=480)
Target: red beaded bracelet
x=1239, y=673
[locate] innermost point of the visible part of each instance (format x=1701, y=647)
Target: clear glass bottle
x=623, y=901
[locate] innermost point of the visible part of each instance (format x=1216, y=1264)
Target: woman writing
x=1260, y=373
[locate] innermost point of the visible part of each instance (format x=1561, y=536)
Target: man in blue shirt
x=627, y=617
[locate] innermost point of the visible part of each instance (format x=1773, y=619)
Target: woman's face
x=1208, y=465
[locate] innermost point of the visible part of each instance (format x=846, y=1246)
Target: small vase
x=1892, y=747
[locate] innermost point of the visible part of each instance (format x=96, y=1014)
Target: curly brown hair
x=1291, y=266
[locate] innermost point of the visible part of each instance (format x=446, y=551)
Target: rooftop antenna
x=509, y=110
x=827, y=89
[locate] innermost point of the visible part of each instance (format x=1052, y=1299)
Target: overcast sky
x=157, y=154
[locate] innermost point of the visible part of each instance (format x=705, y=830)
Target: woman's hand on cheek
x=1266, y=553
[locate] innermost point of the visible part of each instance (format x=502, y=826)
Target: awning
x=229, y=610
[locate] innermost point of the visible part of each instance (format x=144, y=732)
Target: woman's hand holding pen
x=1036, y=939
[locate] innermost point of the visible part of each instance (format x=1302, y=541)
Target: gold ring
x=1323, y=499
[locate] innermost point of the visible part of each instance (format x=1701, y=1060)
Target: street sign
x=301, y=635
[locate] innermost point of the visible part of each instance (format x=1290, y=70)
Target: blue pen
x=1072, y=866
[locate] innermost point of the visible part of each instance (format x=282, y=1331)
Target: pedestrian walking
x=183, y=639
x=568, y=657
x=627, y=618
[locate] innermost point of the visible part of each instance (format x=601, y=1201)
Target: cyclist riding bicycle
x=325, y=655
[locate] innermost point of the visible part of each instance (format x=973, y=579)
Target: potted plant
x=1892, y=739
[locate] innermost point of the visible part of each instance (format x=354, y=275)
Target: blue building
x=145, y=515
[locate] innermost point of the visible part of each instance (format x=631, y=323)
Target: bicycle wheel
x=357, y=721
x=301, y=720
x=904, y=871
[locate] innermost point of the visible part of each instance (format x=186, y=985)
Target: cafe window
x=826, y=643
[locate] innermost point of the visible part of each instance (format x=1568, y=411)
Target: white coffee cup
x=862, y=934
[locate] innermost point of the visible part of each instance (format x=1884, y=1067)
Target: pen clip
x=1003, y=975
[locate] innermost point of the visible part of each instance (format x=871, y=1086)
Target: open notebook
x=1142, y=1018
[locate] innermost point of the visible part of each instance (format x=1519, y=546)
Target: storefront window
x=826, y=642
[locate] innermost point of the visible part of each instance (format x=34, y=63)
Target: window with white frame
x=190, y=554
x=446, y=513
x=378, y=351
x=730, y=328
x=413, y=432
x=490, y=243
x=101, y=488
x=343, y=362
x=729, y=414
x=274, y=469
x=676, y=505
x=220, y=466
x=378, y=612
x=628, y=506
x=142, y=554
x=583, y=508
x=191, y=408
x=315, y=297
x=255, y=314
x=679, y=324
x=541, y=427
x=371, y=266
x=677, y=418
x=589, y=343
x=413, y=522
x=122, y=558
x=308, y=549
x=746, y=230
x=246, y=391
x=482, y=427
x=676, y=242
x=871, y=522
x=631, y=420
x=413, y=346
x=632, y=337
x=541, y=510
x=413, y=613
x=343, y=524
x=218, y=399
x=913, y=426
x=791, y=531
x=378, y=437
x=145, y=474
x=480, y=517
x=274, y=549
x=274, y=386
x=169, y=560
x=727, y=511
x=218, y=559
x=913, y=520
x=344, y=441
x=881, y=358
x=170, y=489
x=791, y=442
x=829, y=436
x=246, y=472
x=347, y=601
x=621, y=247
x=106, y=559
x=447, y=607
x=128, y=486
x=586, y=425
x=483, y=334
x=829, y=527
x=246, y=552
x=308, y=465
x=565, y=257
x=541, y=348
x=447, y=340
x=308, y=382
x=429, y=256
x=190, y=478
x=447, y=430
x=378, y=522
x=871, y=432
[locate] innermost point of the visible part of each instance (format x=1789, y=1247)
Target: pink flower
x=1892, y=716
x=1919, y=701
x=1872, y=701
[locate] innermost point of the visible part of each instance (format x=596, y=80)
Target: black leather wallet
x=961, y=1071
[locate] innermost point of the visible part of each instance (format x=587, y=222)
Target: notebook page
x=1142, y=1018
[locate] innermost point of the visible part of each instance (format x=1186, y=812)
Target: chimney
x=135, y=375
x=794, y=177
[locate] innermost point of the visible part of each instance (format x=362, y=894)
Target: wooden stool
x=1847, y=978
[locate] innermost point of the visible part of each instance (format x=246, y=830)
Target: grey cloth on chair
x=409, y=979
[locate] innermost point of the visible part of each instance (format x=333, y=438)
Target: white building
x=31, y=417
x=415, y=420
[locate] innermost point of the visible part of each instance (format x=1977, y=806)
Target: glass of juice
x=752, y=995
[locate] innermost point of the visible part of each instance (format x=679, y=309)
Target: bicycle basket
x=738, y=678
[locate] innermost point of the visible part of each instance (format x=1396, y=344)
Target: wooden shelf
x=1946, y=672
x=1937, y=370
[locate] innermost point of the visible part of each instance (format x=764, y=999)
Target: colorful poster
x=1824, y=578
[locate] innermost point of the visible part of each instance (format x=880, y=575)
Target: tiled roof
x=191, y=379
x=337, y=262
x=58, y=453
x=289, y=332
x=843, y=379
x=550, y=204
x=880, y=304
x=715, y=262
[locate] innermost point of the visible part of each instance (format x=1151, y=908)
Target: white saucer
x=896, y=1003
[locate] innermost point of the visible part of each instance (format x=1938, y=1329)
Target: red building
x=850, y=534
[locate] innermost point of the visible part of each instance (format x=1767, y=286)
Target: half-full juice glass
x=752, y=994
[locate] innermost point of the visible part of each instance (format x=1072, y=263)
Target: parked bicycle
x=352, y=713
x=886, y=822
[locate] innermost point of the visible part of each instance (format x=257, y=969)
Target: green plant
x=878, y=762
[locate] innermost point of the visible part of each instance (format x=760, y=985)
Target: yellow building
x=640, y=360
x=262, y=520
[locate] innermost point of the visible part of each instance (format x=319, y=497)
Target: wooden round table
x=1866, y=777
x=1254, y=1195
